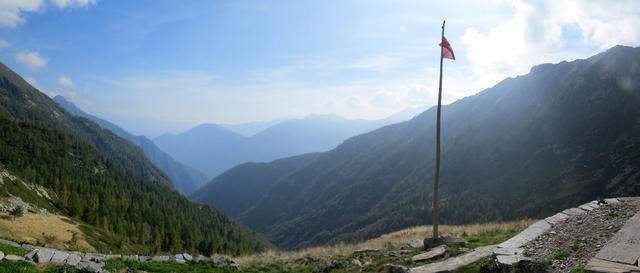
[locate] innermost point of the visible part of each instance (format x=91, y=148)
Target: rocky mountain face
x=563, y=134
x=214, y=149
x=185, y=179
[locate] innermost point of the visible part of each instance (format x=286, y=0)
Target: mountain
x=250, y=128
x=214, y=149
x=184, y=178
x=21, y=100
x=104, y=181
x=563, y=134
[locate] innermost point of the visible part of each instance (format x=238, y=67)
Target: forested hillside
x=21, y=100
x=184, y=178
x=98, y=191
x=563, y=134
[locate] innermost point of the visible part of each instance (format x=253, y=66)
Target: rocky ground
x=569, y=244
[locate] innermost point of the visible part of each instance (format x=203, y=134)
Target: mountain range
x=184, y=178
x=560, y=135
x=102, y=181
x=213, y=149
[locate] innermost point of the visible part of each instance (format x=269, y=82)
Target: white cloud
x=73, y=3
x=535, y=34
x=11, y=11
x=4, y=44
x=65, y=81
x=32, y=60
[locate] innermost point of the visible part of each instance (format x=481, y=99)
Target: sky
x=160, y=66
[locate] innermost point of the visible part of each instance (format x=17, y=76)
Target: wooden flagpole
x=437, y=178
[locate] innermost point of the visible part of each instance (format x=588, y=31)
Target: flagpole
x=437, y=178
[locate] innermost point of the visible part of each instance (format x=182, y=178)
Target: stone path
x=622, y=252
x=510, y=252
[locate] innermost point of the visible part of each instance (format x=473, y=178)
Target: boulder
x=354, y=262
x=392, y=268
x=220, y=261
x=11, y=243
x=187, y=256
x=415, y=244
x=28, y=247
x=30, y=254
x=91, y=266
x=160, y=258
x=331, y=265
x=435, y=252
x=130, y=257
x=73, y=259
x=43, y=255
x=454, y=241
x=397, y=253
x=94, y=257
x=108, y=257
x=1, y=255
x=13, y=258
x=59, y=256
x=143, y=258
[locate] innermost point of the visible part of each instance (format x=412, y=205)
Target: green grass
x=117, y=265
x=490, y=237
x=27, y=267
x=561, y=255
x=7, y=249
x=483, y=265
x=578, y=270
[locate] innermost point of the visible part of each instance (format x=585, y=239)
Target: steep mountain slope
x=184, y=178
x=563, y=134
x=21, y=100
x=214, y=149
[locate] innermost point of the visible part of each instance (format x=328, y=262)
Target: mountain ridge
x=518, y=149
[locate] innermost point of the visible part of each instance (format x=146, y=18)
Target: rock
x=455, y=262
x=586, y=207
x=91, y=266
x=160, y=258
x=611, y=201
x=130, y=257
x=43, y=255
x=556, y=218
x=11, y=243
x=180, y=261
x=108, y=257
x=187, y=256
x=435, y=252
x=13, y=258
x=30, y=254
x=354, y=262
x=508, y=251
x=143, y=258
x=28, y=247
x=574, y=211
x=454, y=241
x=94, y=257
x=199, y=258
x=431, y=242
x=510, y=260
x=415, y=244
x=220, y=261
x=397, y=253
x=1, y=255
x=366, y=251
x=333, y=265
x=234, y=264
x=59, y=256
x=73, y=259
x=392, y=268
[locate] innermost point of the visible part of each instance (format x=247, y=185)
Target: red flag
x=447, y=52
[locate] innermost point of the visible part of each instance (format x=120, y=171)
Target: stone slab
x=602, y=266
x=11, y=243
x=187, y=256
x=73, y=259
x=160, y=258
x=529, y=234
x=43, y=255
x=435, y=252
x=59, y=256
x=586, y=207
x=574, y=211
x=628, y=199
x=510, y=260
x=556, y=218
x=415, y=244
x=611, y=201
x=595, y=204
x=624, y=247
x=508, y=251
x=13, y=258
x=94, y=257
x=1, y=255
x=455, y=262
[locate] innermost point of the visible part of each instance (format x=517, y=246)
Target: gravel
x=570, y=244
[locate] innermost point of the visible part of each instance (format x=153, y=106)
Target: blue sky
x=164, y=66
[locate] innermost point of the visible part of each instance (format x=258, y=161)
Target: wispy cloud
x=12, y=11
x=4, y=44
x=73, y=3
x=65, y=81
x=32, y=60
